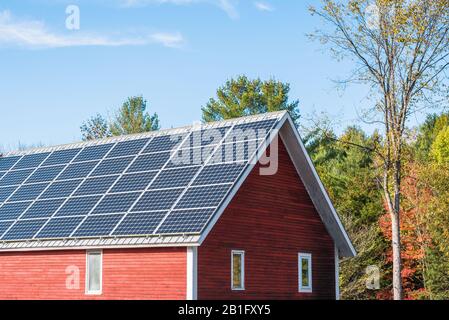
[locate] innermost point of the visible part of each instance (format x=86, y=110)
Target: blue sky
x=173, y=52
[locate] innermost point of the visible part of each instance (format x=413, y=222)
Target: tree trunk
x=396, y=230
x=393, y=203
x=396, y=244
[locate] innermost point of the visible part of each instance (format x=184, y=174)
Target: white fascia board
x=312, y=182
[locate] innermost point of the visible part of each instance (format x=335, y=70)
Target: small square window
x=238, y=270
x=94, y=266
x=305, y=272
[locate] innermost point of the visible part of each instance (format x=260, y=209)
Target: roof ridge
x=135, y=136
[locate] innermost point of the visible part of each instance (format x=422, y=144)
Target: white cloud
x=172, y=40
x=263, y=6
x=228, y=6
x=35, y=34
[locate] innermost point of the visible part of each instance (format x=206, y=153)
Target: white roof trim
x=101, y=243
x=315, y=188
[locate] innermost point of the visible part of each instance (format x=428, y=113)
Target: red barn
x=226, y=210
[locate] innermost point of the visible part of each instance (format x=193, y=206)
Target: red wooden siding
x=273, y=219
x=156, y=273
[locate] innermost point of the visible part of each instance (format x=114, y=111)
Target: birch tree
x=400, y=48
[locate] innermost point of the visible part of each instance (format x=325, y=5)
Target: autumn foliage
x=415, y=238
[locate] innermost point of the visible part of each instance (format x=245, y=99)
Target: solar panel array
x=155, y=185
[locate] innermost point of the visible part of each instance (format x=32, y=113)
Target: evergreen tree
x=242, y=97
x=131, y=118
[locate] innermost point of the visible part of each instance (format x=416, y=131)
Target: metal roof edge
x=180, y=130
x=100, y=243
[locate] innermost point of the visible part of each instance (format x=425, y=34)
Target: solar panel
x=93, y=152
x=128, y=187
x=59, y=228
x=45, y=174
x=98, y=225
x=219, y=173
x=24, y=229
x=149, y=162
x=190, y=157
x=4, y=225
x=11, y=211
x=92, y=186
x=116, y=203
x=5, y=192
x=235, y=152
x=7, y=163
x=112, y=166
x=42, y=209
x=173, y=178
x=28, y=192
x=127, y=148
x=140, y=223
x=205, y=137
x=250, y=131
x=134, y=181
x=31, y=161
x=61, y=157
x=78, y=206
x=197, y=197
x=77, y=170
x=157, y=200
x=15, y=177
x=185, y=221
x=164, y=143
x=61, y=189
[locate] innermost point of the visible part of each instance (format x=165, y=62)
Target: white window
x=238, y=270
x=305, y=272
x=94, y=266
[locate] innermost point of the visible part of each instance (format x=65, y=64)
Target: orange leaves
x=415, y=237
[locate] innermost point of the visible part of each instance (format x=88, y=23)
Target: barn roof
x=161, y=188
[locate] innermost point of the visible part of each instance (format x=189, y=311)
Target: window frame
x=241, y=253
x=308, y=257
x=94, y=292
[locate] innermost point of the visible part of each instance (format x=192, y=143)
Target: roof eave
x=314, y=186
x=101, y=243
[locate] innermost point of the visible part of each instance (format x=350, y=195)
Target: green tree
x=427, y=133
x=440, y=147
x=131, y=118
x=242, y=97
x=435, y=177
x=400, y=49
x=345, y=165
x=95, y=128
x=430, y=191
